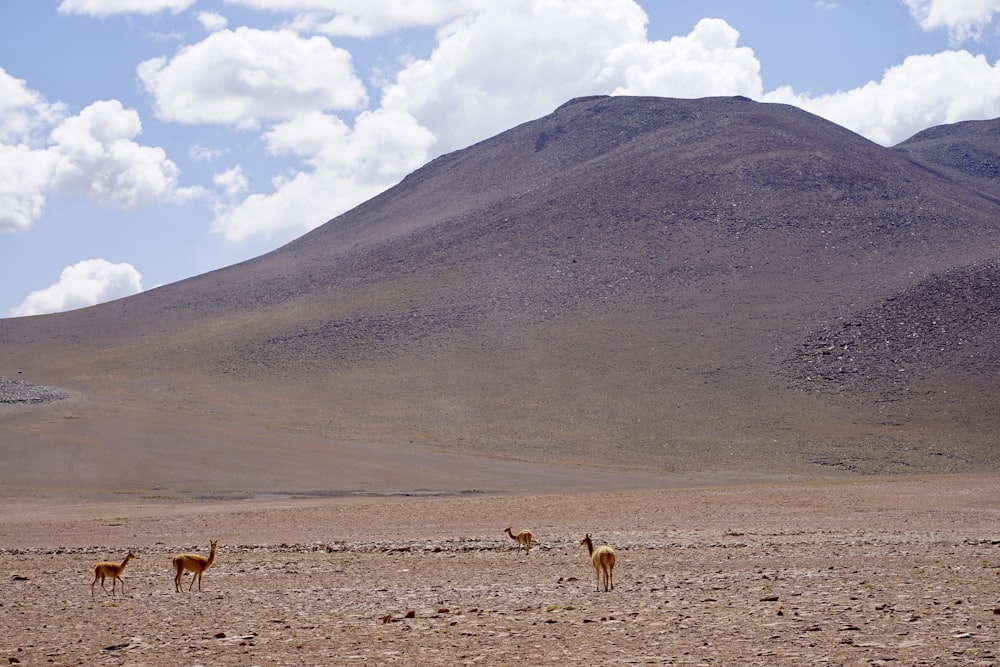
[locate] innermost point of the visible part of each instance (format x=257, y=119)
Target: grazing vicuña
x=523, y=537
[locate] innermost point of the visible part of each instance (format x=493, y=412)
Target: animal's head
x=214, y=543
x=131, y=554
x=586, y=539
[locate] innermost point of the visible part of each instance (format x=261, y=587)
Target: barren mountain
x=707, y=286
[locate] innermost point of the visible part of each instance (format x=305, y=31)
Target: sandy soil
x=883, y=571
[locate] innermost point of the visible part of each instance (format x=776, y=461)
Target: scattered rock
x=18, y=391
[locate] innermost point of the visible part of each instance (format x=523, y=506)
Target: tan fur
x=113, y=570
x=524, y=537
x=195, y=563
x=604, y=563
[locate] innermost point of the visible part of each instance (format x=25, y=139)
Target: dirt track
x=896, y=572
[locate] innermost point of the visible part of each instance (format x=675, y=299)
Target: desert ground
x=901, y=571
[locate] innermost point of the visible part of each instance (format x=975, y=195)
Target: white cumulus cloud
x=212, y=21
x=510, y=62
x=704, y=63
x=964, y=19
x=299, y=203
x=24, y=178
x=95, y=156
x=45, y=152
x=105, y=8
x=200, y=153
x=244, y=76
x=346, y=166
x=232, y=182
x=25, y=116
x=921, y=92
x=84, y=284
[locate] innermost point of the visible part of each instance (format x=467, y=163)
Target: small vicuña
x=196, y=563
x=108, y=568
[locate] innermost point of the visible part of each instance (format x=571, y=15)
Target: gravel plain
x=888, y=571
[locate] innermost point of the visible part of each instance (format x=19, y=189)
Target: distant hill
x=968, y=152
x=627, y=284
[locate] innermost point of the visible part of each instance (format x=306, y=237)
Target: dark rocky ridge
x=658, y=274
x=947, y=326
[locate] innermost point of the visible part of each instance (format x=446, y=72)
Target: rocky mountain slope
x=627, y=283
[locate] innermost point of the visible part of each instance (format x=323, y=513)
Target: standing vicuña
x=604, y=562
x=195, y=563
x=114, y=570
x=524, y=537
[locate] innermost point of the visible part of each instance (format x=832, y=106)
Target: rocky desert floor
x=878, y=571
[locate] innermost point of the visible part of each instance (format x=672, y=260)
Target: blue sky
x=146, y=141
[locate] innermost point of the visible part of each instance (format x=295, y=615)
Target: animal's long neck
x=128, y=557
x=211, y=557
x=590, y=546
x=510, y=534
